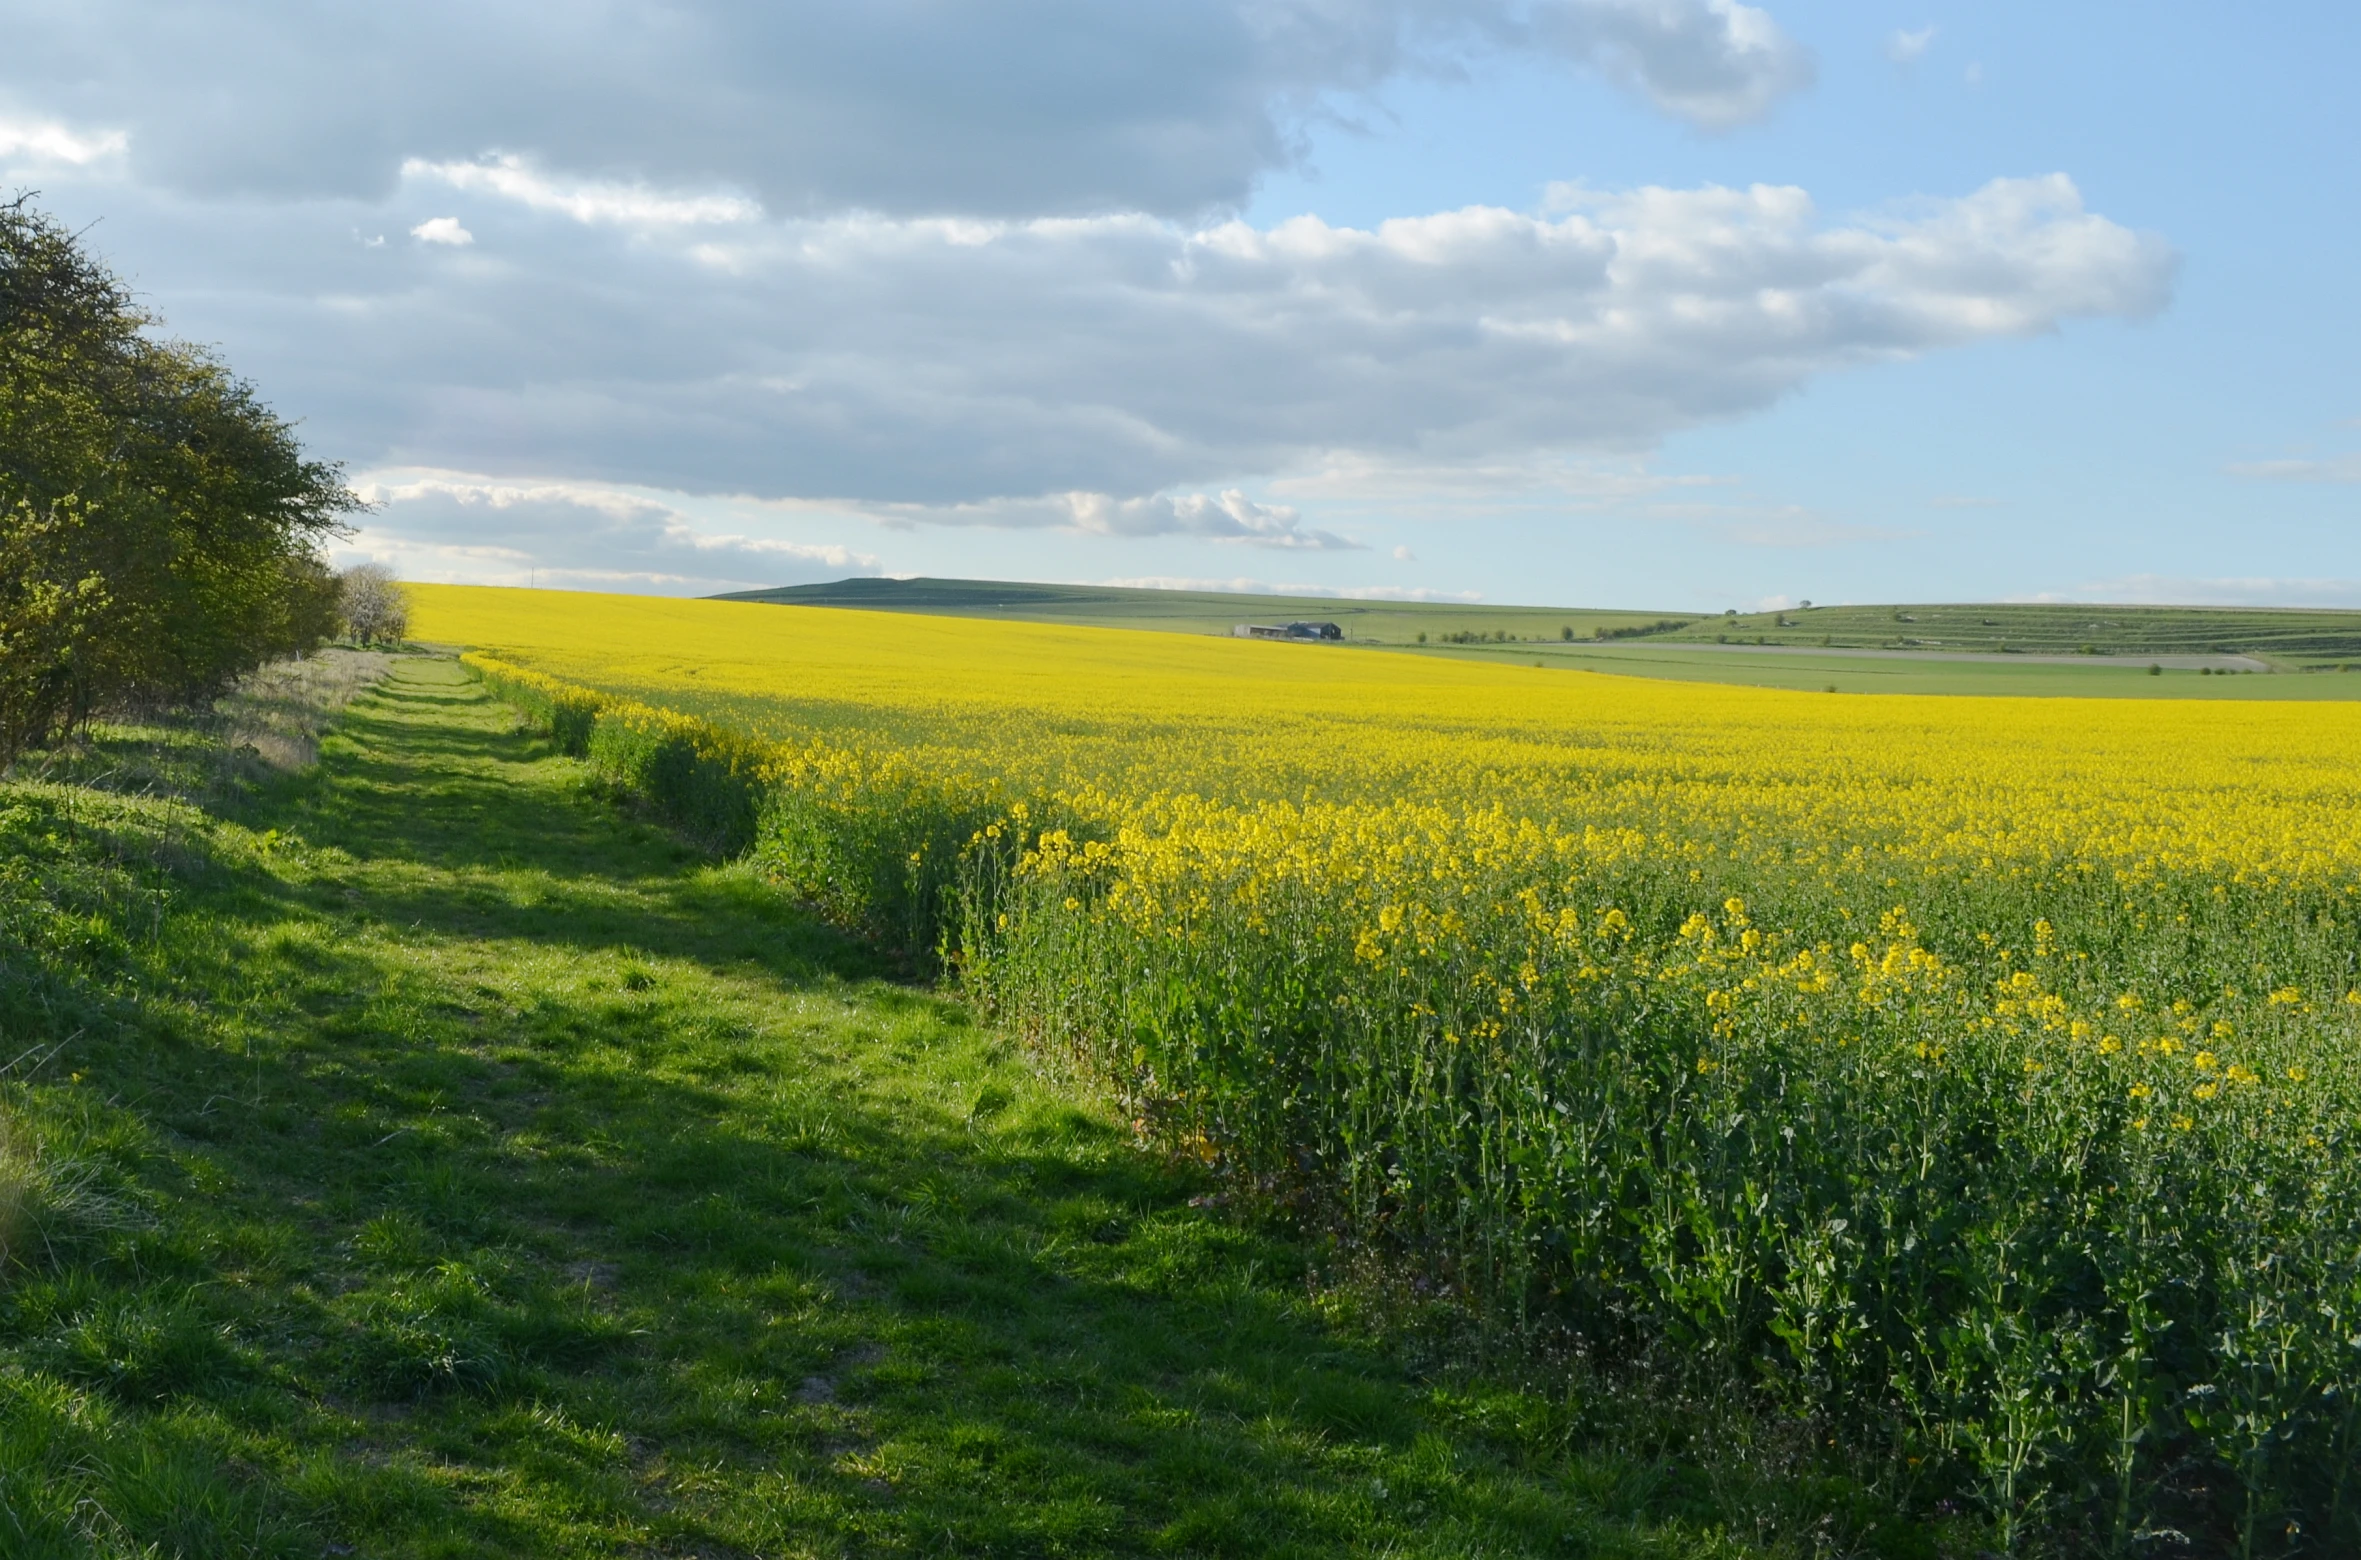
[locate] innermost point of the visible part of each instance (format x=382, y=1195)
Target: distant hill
x=1217, y=612
x=2287, y=637
x=2292, y=636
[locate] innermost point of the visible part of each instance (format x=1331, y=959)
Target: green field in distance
x=1205, y=611
x=1903, y=672
x=2043, y=648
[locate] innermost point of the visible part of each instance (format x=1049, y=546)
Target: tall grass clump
x=1973, y=1081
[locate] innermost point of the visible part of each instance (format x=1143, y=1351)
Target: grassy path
x=516, y=1184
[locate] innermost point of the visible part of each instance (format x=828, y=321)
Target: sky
x=1680, y=304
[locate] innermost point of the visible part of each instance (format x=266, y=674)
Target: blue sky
x=1674, y=303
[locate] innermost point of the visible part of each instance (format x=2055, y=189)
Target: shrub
x=159, y=527
x=374, y=607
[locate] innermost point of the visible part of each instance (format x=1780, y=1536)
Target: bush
x=373, y=605
x=159, y=527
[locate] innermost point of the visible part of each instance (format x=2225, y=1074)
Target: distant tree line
x=160, y=528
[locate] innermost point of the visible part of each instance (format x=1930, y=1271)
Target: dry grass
x=277, y=714
x=269, y=725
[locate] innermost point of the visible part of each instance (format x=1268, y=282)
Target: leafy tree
x=159, y=526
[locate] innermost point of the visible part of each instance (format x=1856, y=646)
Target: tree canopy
x=160, y=528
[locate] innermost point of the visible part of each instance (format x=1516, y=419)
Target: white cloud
x=626, y=205
x=2340, y=468
x=442, y=230
x=463, y=527
x=1715, y=64
x=1000, y=107
x=1908, y=48
x=1252, y=587
x=1405, y=555
x=1227, y=516
x=988, y=372
x=37, y=143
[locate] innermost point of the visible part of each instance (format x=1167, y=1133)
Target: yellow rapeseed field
x=1974, y=1076
x=2245, y=789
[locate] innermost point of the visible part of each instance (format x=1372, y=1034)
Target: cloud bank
x=1121, y=374
x=1014, y=107
x=948, y=263
x=446, y=525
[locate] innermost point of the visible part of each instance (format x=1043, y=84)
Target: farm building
x=1310, y=631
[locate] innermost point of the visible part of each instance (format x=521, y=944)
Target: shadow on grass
x=517, y=1184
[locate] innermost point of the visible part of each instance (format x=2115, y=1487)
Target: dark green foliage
x=159, y=527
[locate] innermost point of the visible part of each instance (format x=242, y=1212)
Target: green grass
x=423, y=1157
x=2089, y=678
x=2110, y=646
x=2297, y=638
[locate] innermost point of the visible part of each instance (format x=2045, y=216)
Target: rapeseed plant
x=1974, y=1077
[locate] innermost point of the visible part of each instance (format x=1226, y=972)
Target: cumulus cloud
x=585, y=200
x=452, y=525
x=442, y=230
x=35, y=143
x=1227, y=516
x=986, y=372
x=1716, y=64
x=956, y=263
x=1253, y=587
x=1006, y=107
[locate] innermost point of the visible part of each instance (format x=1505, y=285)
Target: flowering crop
x=1976, y=1076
